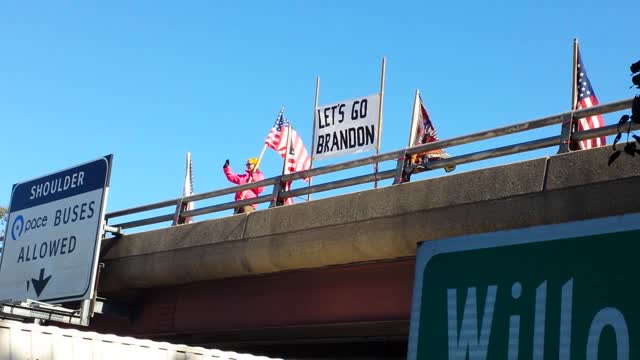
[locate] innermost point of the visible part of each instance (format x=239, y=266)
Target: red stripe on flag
x=591, y=122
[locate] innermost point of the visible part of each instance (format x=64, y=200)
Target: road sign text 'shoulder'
x=53, y=229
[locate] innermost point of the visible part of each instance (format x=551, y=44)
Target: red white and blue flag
x=298, y=158
x=277, y=139
x=285, y=140
x=587, y=98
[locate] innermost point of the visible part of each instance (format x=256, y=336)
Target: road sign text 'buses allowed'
x=52, y=236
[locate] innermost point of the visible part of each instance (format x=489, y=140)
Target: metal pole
x=313, y=132
x=378, y=140
x=574, y=88
x=402, y=163
x=567, y=123
x=285, y=163
x=414, y=118
x=286, y=154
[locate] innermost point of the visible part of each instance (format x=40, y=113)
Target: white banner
x=347, y=127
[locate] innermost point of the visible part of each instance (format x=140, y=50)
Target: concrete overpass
x=336, y=274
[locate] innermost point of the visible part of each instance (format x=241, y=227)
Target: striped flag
x=297, y=158
x=587, y=98
x=283, y=137
x=276, y=139
x=187, y=190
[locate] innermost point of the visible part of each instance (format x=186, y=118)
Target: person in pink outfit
x=252, y=174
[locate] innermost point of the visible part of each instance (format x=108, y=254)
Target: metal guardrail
x=402, y=166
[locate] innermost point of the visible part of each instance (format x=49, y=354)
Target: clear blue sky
x=148, y=81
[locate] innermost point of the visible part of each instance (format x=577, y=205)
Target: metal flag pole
x=574, y=90
x=406, y=160
x=313, y=131
x=414, y=120
x=567, y=123
x=286, y=154
x=375, y=165
x=187, y=190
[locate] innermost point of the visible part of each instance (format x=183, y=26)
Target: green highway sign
x=565, y=291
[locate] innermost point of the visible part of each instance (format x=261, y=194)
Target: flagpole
x=568, y=124
x=574, y=90
x=573, y=127
x=264, y=148
x=286, y=156
x=189, y=181
x=378, y=140
x=313, y=140
x=187, y=190
x=414, y=120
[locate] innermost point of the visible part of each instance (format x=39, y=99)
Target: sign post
x=565, y=291
x=53, y=232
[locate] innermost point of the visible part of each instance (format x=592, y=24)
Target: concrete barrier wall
x=376, y=224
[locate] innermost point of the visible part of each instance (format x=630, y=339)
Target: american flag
x=277, y=139
x=298, y=158
x=587, y=98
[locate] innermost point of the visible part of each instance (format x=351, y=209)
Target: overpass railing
x=403, y=166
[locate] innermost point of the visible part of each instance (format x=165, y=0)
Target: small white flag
x=187, y=190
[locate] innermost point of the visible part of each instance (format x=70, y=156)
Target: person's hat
x=253, y=161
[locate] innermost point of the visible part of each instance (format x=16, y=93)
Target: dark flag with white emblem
x=587, y=98
x=423, y=132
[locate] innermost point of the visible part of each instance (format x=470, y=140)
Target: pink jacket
x=243, y=179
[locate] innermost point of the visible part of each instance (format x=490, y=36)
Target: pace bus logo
x=17, y=227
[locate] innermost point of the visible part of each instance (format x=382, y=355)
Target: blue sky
x=148, y=81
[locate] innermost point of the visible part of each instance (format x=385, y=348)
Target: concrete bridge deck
x=340, y=267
